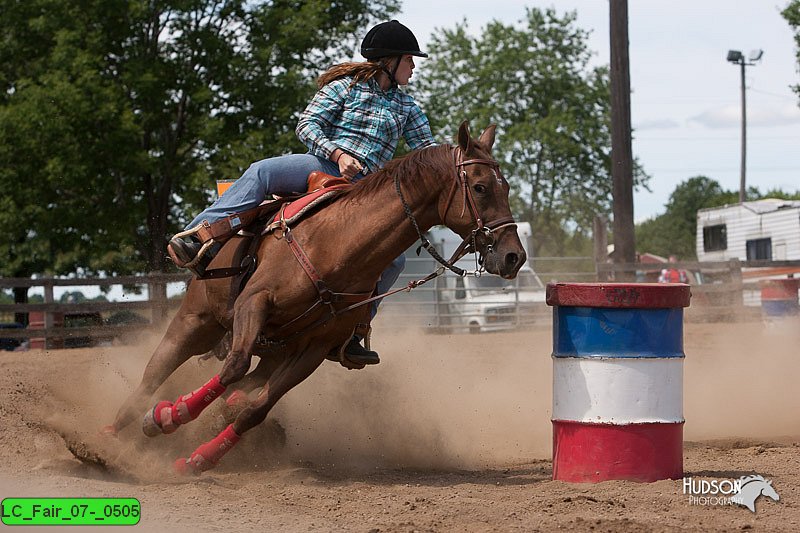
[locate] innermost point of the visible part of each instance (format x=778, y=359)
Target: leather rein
x=329, y=298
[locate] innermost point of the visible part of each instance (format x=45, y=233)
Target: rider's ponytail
x=360, y=71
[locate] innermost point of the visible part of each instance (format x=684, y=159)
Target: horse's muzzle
x=506, y=258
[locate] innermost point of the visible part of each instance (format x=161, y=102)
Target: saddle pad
x=302, y=206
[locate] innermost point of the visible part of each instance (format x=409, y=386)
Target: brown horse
x=348, y=244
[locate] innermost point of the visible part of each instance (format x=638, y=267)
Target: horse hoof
x=108, y=431
x=150, y=424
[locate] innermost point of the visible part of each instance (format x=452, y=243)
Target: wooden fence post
x=158, y=297
x=48, y=316
x=737, y=288
x=600, y=246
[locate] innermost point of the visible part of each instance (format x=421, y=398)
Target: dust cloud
x=436, y=401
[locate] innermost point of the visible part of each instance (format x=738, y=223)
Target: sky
x=686, y=98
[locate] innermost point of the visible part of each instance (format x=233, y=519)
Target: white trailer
x=766, y=229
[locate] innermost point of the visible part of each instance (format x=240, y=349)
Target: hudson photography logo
x=743, y=491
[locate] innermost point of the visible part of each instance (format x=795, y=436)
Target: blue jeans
x=283, y=175
x=280, y=175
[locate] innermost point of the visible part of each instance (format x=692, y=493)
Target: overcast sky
x=685, y=105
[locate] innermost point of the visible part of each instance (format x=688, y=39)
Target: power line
x=695, y=139
x=724, y=169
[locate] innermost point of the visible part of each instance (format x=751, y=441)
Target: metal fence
x=727, y=290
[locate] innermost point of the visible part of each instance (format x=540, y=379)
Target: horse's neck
x=360, y=236
x=377, y=228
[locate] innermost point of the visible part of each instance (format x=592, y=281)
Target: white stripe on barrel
x=618, y=391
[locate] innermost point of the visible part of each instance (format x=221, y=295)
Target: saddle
x=320, y=190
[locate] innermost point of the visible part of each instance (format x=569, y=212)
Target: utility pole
x=621, y=151
x=737, y=58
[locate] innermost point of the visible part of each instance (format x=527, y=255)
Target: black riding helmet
x=390, y=39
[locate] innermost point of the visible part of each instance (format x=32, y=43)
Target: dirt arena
x=448, y=433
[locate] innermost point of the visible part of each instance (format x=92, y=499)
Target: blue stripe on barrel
x=618, y=319
x=614, y=332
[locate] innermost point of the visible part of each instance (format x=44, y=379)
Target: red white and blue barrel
x=617, y=380
x=779, y=298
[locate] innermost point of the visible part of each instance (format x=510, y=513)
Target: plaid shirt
x=362, y=120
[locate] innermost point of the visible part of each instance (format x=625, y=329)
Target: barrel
x=779, y=298
x=617, y=380
x=36, y=320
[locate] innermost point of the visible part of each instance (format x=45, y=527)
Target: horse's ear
x=487, y=137
x=464, y=140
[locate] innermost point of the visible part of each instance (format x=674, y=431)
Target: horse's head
x=769, y=491
x=481, y=210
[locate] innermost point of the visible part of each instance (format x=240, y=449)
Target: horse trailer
x=766, y=229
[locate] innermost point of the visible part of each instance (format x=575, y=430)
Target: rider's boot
x=165, y=417
x=187, y=251
x=209, y=454
x=357, y=353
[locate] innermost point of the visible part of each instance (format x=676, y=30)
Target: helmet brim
x=377, y=53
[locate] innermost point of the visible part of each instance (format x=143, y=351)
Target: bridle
x=484, y=230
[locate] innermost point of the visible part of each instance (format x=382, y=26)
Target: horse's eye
x=479, y=188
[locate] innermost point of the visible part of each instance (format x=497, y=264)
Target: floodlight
x=734, y=56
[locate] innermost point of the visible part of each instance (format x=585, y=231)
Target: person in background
x=352, y=127
x=672, y=274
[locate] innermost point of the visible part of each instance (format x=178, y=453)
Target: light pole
x=737, y=58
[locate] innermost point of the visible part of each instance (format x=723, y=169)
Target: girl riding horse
x=351, y=127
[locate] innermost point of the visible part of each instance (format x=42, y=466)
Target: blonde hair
x=360, y=71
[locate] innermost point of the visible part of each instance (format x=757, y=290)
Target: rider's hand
x=348, y=166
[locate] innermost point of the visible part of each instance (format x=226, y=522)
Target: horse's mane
x=412, y=169
x=748, y=479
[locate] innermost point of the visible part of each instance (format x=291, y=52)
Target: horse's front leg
x=188, y=334
x=249, y=317
x=294, y=369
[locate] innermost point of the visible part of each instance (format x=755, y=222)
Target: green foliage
x=116, y=117
x=552, y=111
x=792, y=15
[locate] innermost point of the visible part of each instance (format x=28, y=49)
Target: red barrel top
x=780, y=289
x=626, y=295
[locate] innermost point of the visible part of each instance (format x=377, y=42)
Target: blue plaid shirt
x=364, y=121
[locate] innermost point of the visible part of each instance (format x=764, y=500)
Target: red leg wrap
x=164, y=418
x=209, y=454
x=189, y=406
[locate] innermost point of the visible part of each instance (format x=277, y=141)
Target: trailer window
x=461, y=292
x=715, y=238
x=759, y=249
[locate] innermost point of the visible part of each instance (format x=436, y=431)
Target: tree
x=792, y=15
x=552, y=112
x=117, y=116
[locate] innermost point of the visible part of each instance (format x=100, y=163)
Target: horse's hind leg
x=188, y=334
x=166, y=417
x=238, y=398
x=294, y=369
